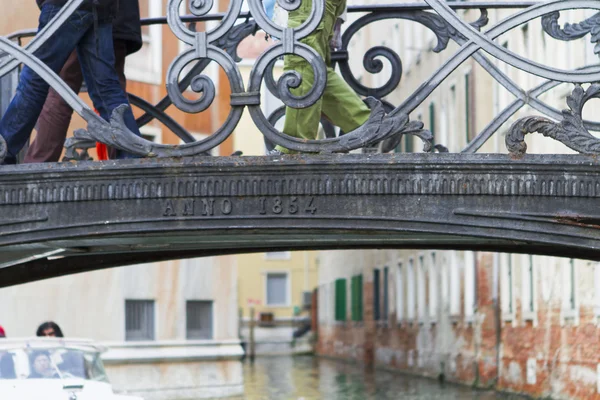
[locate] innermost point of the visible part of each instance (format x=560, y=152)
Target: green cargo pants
x=340, y=104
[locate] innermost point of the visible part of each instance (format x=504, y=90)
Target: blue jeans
x=96, y=56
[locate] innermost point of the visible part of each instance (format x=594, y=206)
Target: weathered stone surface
x=97, y=215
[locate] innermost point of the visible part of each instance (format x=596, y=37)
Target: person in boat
x=72, y=361
x=41, y=366
x=7, y=364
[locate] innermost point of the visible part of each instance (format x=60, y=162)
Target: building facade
x=171, y=327
x=516, y=323
x=277, y=288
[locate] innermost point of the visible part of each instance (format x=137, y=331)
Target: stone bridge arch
x=66, y=218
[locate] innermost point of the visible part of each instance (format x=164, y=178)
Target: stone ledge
x=172, y=351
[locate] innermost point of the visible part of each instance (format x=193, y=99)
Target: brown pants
x=55, y=118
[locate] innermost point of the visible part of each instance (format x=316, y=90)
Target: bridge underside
x=65, y=218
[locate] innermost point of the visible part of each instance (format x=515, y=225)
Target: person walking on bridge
x=55, y=119
x=89, y=31
x=339, y=103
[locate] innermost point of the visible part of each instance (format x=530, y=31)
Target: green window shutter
x=340, y=300
x=353, y=298
x=359, y=303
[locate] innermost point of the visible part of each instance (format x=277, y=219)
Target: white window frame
x=411, y=293
x=528, y=288
x=421, y=288
x=154, y=74
x=507, y=286
x=400, y=292
x=470, y=268
x=154, y=131
x=433, y=287
x=288, y=296
x=454, y=292
x=597, y=293
x=569, y=288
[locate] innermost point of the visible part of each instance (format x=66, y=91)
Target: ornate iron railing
x=387, y=123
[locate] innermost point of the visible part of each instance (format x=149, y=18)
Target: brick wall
x=548, y=356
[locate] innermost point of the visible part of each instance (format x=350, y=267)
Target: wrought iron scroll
x=386, y=124
x=570, y=131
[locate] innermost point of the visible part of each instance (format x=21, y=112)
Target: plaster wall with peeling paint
x=516, y=323
x=173, y=361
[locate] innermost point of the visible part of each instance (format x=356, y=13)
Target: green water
x=305, y=377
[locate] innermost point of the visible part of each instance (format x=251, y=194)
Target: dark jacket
x=126, y=26
x=126, y=23
x=105, y=12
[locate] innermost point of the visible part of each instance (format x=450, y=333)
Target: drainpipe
x=497, y=315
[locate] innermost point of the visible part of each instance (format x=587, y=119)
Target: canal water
x=307, y=378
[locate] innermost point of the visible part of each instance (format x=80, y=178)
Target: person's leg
x=53, y=123
x=120, y=47
x=120, y=55
x=341, y=105
x=303, y=123
x=26, y=106
x=97, y=58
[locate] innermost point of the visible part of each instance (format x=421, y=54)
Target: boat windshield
x=51, y=363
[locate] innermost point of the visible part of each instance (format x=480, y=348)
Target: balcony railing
x=388, y=122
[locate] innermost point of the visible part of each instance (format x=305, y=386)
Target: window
x=408, y=143
x=468, y=108
x=432, y=117
x=433, y=288
x=376, y=293
x=453, y=126
x=357, y=298
x=597, y=290
x=151, y=133
x=410, y=281
x=139, y=320
x=421, y=301
x=470, y=284
x=277, y=289
x=278, y=255
x=399, y=294
x=506, y=268
x=199, y=319
x=569, y=288
x=528, y=299
x=454, y=285
x=340, y=299
x=146, y=64
x=322, y=304
x=386, y=296
x=443, y=134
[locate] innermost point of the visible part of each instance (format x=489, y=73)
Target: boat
x=54, y=369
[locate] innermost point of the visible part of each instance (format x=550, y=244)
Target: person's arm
x=336, y=40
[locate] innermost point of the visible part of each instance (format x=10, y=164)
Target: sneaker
x=275, y=152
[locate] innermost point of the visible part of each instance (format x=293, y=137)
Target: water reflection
x=306, y=377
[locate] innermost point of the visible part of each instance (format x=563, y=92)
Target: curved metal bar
x=499, y=52
x=162, y=117
x=21, y=55
x=466, y=51
x=228, y=43
x=60, y=18
x=291, y=34
x=200, y=39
